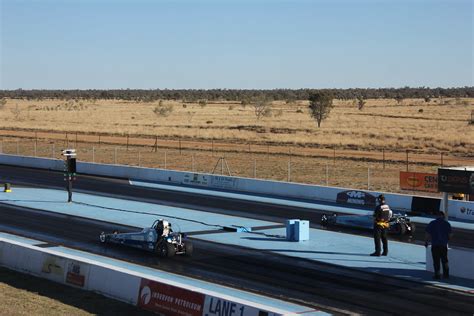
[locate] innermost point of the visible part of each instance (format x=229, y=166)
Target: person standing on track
x=382, y=215
x=439, y=233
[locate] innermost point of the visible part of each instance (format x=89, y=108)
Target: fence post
x=139, y=158
x=156, y=144
x=441, y=159
x=67, y=141
x=334, y=155
x=99, y=140
x=289, y=170
x=17, y=148
x=255, y=168
x=127, y=141
x=35, y=149
x=407, y=160
x=193, y=162
x=1, y=146
x=383, y=158
x=368, y=178
x=93, y=154
x=212, y=148
x=76, y=140
x=115, y=155
x=327, y=175
x=166, y=153
x=53, y=150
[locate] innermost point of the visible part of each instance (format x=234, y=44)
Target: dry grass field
x=352, y=148
x=23, y=294
x=438, y=125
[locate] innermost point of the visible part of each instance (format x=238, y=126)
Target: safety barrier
x=156, y=294
x=458, y=209
x=461, y=262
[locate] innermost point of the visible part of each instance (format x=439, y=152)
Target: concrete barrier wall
x=461, y=262
x=155, y=294
x=458, y=209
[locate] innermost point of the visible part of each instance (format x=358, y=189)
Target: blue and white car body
x=159, y=238
x=399, y=224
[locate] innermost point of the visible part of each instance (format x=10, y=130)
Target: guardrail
x=457, y=209
x=152, y=293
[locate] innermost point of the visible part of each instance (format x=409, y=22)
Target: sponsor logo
x=413, y=181
x=356, y=197
x=74, y=275
x=166, y=299
x=467, y=211
x=145, y=295
x=52, y=266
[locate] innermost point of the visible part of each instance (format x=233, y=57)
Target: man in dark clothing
x=439, y=232
x=382, y=215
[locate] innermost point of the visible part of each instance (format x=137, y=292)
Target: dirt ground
x=22, y=294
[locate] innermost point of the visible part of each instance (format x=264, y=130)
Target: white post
x=327, y=175
x=93, y=154
x=115, y=156
x=368, y=178
x=255, y=168
x=445, y=204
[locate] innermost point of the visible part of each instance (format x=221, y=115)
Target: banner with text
x=417, y=181
x=170, y=300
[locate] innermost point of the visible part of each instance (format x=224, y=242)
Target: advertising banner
x=196, y=179
x=215, y=306
x=455, y=181
x=418, y=181
x=76, y=273
x=356, y=197
x=224, y=182
x=53, y=268
x=169, y=300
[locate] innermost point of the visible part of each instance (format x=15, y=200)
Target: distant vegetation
x=241, y=96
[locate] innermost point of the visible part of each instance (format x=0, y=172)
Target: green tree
x=3, y=101
x=320, y=104
x=262, y=107
x=360, y=102
x=399, y=98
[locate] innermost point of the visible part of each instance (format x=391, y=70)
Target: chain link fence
x=378, y=171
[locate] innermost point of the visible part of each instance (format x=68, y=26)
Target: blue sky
x=259, y=44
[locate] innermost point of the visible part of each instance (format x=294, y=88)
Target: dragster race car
x=159, y=238
x=399, y=224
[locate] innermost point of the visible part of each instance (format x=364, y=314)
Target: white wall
x=458, y=209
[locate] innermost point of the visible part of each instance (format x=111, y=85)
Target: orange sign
x=417, y=181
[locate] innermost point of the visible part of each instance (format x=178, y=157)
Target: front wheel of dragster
x=188, y=248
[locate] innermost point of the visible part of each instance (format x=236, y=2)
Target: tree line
x=216, y=95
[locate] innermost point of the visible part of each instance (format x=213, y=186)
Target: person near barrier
x=439, y=233
x=382, y=215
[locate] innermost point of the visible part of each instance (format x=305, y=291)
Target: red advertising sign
x=169, y=300
x=417, y=181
